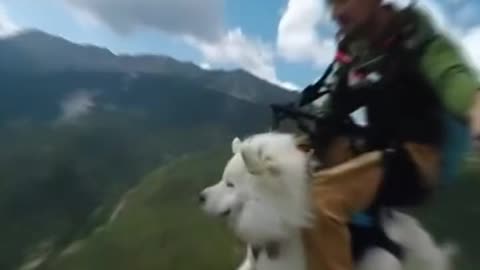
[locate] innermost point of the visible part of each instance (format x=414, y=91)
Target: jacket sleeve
x=451, y=75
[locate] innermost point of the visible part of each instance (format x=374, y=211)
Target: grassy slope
x=454, y=216
x=161, y=226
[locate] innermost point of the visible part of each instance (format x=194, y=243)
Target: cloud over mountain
x=200, y=19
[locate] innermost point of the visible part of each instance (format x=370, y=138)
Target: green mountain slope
x=59, y=175
x=160, y=225
x=454, y=215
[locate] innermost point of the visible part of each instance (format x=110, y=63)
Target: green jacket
x=442, y=63
x=446, y=68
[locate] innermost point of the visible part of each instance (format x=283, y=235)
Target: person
x=421, y=99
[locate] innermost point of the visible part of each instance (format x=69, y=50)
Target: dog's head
x=264, y=187
x=227, y=197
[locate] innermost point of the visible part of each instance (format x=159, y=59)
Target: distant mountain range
x=36, y=51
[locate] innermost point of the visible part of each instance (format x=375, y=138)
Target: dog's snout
x=202, y=198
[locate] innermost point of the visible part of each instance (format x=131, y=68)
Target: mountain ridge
x=37, y=51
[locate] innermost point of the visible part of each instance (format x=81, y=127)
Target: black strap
x=291, y=111
x=311, y=92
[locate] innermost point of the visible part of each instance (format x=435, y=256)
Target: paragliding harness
x=320, y=130
x=365, y=228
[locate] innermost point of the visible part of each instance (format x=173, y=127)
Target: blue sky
x=287, y=42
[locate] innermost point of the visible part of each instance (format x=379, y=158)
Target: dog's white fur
x=263, y=194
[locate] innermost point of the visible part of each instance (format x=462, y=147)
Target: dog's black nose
x=201, y=198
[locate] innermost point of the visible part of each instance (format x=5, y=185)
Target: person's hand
x=475, y=122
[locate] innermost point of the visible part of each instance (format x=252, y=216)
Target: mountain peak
x=35, y=35
x=38, y=38
x=43, y=52
x=31, y=32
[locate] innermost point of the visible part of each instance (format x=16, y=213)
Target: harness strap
x=271, y=249
x=311, y=92
x=343, y=58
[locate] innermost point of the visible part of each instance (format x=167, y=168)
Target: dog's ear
x=236, y=145
x=252, y=159
x=256, y=162
x=271, y=165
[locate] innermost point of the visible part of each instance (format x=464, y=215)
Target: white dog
x=263, y=195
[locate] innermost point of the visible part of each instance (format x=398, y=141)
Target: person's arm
x=457, y=84
x=475, y=120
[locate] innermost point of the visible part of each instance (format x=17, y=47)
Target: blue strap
x=457, y=145
x=362, y=219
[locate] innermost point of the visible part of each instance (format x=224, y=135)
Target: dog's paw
x=246, y=266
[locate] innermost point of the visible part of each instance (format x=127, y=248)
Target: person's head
x=354, y=15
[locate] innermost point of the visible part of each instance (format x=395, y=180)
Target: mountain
x=80, y=126
x=158, y=225
x=57, y=169
x=33, y=50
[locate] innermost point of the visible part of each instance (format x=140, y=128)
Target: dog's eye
x=230, y=184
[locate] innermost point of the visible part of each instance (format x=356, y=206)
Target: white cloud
x=435, y=10
x=205, y=66
x=85, y=18
x=298, y=39
x=7, y=26
x=200, y=19
x=289, y=85
x=235, y=48
x=76, y=105
x=471, y=43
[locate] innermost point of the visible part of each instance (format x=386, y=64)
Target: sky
x=286, y=42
